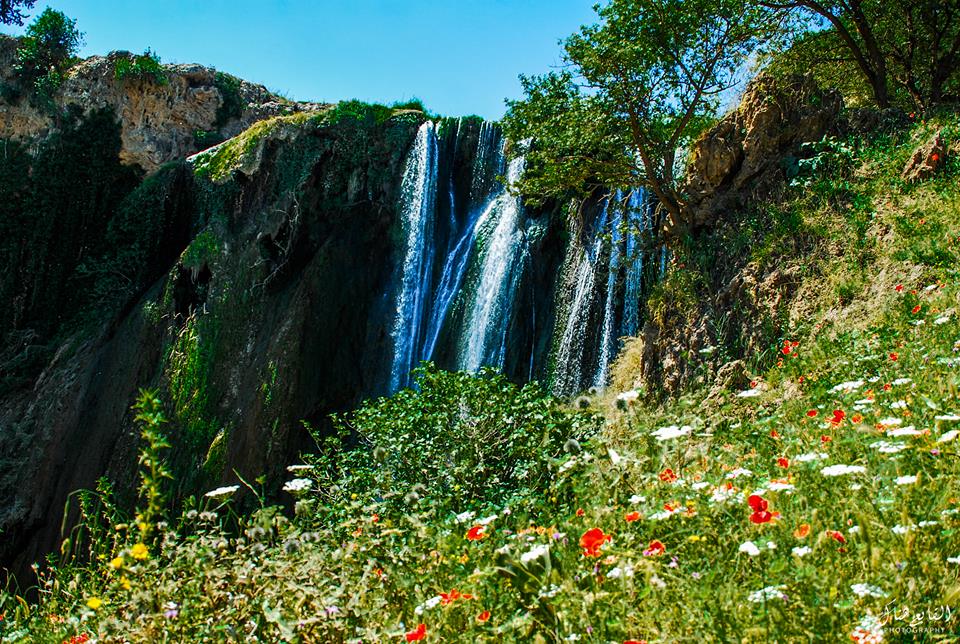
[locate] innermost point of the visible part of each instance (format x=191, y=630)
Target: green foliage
x=461, y=442
x=231, y=106
x=153, y=470
x=905, y=53
x=204, y=139
x=635, y=88
x=12, y=11
x=190, y=366
x=202, y=251
x=46, y=51
x=145, y=66
x=816, y=53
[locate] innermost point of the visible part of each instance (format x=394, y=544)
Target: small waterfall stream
x=418, y=190
x=475, y=287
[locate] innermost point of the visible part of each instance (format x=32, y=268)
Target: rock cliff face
x=160, y=122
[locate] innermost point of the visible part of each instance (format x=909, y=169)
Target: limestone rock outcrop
x=160, y=122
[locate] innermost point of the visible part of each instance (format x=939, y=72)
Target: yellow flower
x=116, y=563
x=124, y=582
x=94, y=603
x=139, y=551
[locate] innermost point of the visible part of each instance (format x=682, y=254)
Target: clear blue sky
x=459, y=57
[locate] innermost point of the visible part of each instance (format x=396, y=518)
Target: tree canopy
x=908, y=51
x=633, y=90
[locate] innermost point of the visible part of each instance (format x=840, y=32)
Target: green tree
x=47, y=50
x=909, y=48
x=11, y=11
x=634, y=90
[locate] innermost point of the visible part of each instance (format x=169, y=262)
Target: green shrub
x=145, y=66
x=232, y=105
x=462, y=441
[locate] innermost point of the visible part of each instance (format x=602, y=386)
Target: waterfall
x=605, y=279
x=488, y=163
x=608, y=337
x=417, y=213
x=638, y=223
x=469, y=284
x=489, y=311
x=571, y=352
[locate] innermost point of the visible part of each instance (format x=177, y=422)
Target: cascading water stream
x=418, y=190
x=639, y=223
x=489, y=312
x=608, y=339
x=488, y=159
x=570, y=358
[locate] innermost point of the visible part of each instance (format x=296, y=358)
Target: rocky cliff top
x=160, y=122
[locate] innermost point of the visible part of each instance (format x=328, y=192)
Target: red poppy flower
x=934, y=157
x=655, y=549
x=477, y=532
x=786, y=349
x=838, y=416
x=886, y=387
x=759, y=506
x=668, y=476
x=856, y=418
x=802, y=531
x=812, y=413
x=783, y=462
x=915, y=309
x=630, y=517
x=484, y=616
x=591, y=540
x=899, y=288
x=452, y=596
x=580, y=512
x=774, y=434
x=894, y=356
x=825, y=439
x=837, y=536
x=418, y=634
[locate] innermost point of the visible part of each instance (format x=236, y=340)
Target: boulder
x=925, y=160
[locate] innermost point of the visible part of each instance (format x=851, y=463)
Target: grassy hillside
x=819, y=503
